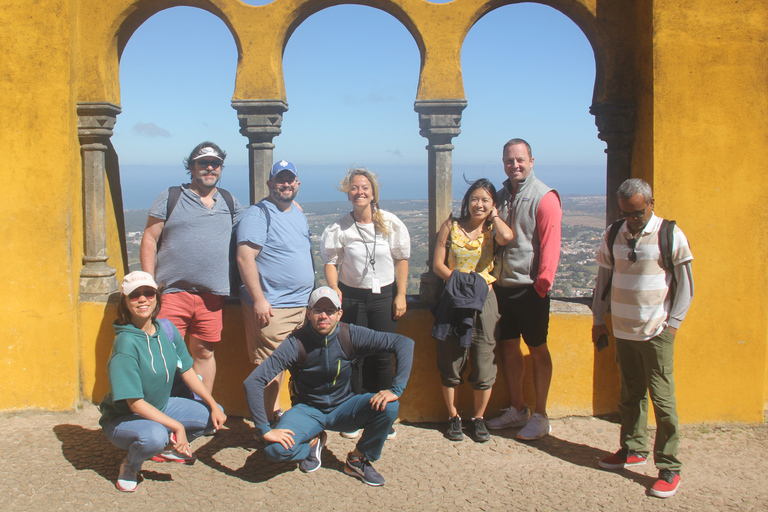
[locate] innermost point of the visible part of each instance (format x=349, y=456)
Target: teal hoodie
x=142, y=366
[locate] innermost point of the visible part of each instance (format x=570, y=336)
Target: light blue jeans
x=145, y=438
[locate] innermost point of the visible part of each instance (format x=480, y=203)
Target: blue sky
x=351, y=75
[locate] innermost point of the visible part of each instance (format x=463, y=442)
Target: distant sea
x=141, y=184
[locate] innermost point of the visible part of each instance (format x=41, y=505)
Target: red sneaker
x=667, y=484
x=622, y=459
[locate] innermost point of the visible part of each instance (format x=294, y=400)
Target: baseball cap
x=208, y=151
x=324, y=292
x=283, y=165
x=137, y=279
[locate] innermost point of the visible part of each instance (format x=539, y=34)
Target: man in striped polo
x=648, y=303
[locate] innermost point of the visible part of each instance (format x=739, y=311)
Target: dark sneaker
x=174, y=456
x=276, y=417
x=667, y=484
x=622, y=459
x=453, y=432
x=392, y=433
x=128, y=479
x=313, y=462
x=481, y=432
x=361, y=468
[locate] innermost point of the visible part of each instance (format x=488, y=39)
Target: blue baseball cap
x=283, y=165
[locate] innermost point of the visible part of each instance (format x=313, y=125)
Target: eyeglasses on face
x=285, y=179
x=149, y=294
x=320, y=311
x=635, y=215
x=632, y=243
x=209, y=163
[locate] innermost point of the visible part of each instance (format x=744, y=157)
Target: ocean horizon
x=141, y=184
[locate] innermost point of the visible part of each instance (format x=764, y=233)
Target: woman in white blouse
x=366, y=253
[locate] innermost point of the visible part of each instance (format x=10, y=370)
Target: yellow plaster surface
x=696, y=70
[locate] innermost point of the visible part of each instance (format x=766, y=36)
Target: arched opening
x=177, y=75
x=351, y=74
x=537, y=85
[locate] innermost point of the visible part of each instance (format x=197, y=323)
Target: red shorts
x=200, y=313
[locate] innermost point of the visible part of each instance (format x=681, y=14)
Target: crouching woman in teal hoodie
x=139, y=414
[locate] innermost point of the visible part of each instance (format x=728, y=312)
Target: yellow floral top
x=471, y=255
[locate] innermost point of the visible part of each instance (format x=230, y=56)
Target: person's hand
x=337, y=290
x=672, y=330
x=380, y=400
x=262, y=310
x=182, y=445
x=398, y=307
x=218, y=418
x=597, y=331
x=494, y=213
x=282, y=436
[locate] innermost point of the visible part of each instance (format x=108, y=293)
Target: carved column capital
x=260, y=121
x=95, y=120
x=615, y=123
x=440, y=121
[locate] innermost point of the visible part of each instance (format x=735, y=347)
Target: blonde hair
x=346, y=185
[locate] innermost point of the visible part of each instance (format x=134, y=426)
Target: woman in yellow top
x=469, y=242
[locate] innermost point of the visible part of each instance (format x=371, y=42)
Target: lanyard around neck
x=369, y=257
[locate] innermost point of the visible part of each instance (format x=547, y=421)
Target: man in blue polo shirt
x=275, y=261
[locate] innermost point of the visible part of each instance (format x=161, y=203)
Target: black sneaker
x=276, y=417
x=361, y=468
x=481, y=431
x=454, y=429
x=313, y=462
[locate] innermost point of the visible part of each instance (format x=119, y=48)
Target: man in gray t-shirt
x=186, y=248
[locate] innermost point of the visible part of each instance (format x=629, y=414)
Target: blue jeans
x=145, y=438
x=306, y=422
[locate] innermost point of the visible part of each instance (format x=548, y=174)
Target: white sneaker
x=351, y=435
x=537, y=427
x=128, y=479
x=511, y=418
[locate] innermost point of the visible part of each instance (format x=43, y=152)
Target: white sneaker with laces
x=537, y=427
x=511, y=418
x=128, y=479
x=351, y=435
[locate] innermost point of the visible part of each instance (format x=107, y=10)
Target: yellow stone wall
x=696, y=71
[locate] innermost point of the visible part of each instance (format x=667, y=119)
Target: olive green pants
x=647, y=366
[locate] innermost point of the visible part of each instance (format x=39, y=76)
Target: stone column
x=95, y=121
x=439, y=122
x=616, y=127
x=260, y=121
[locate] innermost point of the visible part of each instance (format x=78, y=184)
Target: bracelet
x=495, y=217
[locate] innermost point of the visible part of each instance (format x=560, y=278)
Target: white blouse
x=349, y=246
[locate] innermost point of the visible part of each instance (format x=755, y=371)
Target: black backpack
x=174, y=193
x=666, y=243
x=302, y=337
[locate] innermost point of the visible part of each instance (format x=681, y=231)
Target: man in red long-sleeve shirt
x=526, y=269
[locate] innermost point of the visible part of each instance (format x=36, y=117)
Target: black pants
x=373, y=310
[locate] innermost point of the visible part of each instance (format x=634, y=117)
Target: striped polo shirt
x=640, y=299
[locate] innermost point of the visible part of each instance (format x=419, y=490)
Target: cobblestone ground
x=62, y=461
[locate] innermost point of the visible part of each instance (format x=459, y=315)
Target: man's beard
x=280, y=198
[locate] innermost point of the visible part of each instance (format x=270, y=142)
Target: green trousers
x=647, y=366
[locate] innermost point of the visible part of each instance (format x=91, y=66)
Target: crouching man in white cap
x=319, y=356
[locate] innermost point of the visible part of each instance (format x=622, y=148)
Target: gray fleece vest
x=517, y=263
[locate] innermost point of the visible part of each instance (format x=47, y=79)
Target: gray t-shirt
x=194, y=249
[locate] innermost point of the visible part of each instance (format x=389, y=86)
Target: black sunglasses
x=632, y=243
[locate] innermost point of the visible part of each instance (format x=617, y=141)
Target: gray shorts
x=452, y=357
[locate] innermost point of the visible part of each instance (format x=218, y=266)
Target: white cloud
x=150, y=130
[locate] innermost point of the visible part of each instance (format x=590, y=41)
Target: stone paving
x=62, y=461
